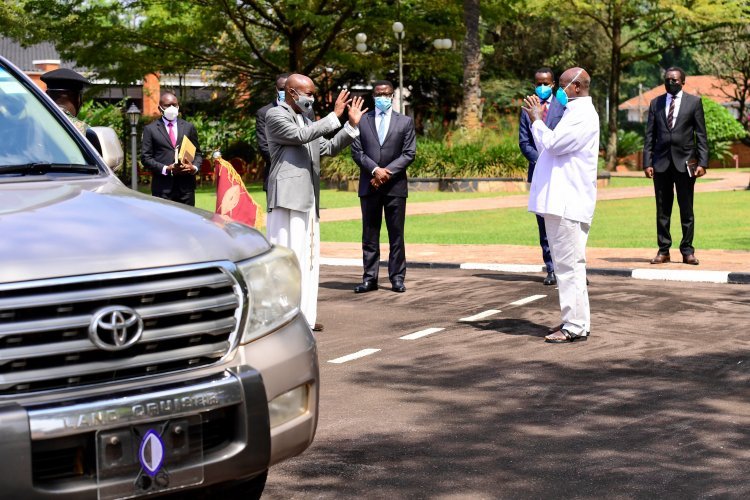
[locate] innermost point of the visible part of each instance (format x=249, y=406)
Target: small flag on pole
x=232, y=198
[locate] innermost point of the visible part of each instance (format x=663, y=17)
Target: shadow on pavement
x=676, y=427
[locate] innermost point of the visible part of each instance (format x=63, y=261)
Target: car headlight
x=273, y=282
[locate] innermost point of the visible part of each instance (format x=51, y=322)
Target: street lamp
x=361, y=46
x=398, y=30
x=442, y=43
x=134, y=114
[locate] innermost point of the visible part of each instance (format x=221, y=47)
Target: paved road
x=655, y=404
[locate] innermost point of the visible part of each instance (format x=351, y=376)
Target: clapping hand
x=533, y=107
x=356, y=111
x=342, y=101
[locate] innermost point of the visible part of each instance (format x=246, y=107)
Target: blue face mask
x=561, y=95
x=282, y=95
x=383, y=103
x=543, y=91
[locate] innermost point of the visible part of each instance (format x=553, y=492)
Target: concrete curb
x=643, y=274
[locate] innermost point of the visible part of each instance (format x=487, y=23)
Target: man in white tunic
x=296, y=142
x=563, y=191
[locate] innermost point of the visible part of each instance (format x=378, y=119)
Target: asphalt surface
x=655, y=404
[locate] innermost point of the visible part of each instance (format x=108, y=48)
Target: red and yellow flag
x=232, y=198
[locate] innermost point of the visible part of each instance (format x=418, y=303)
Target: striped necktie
x=670, y=115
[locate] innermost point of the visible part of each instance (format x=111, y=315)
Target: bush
x=486, y=153
x=721, y=128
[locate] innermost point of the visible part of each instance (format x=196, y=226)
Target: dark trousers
x=373, y=207
x=665, y=185
x=186, y=197
x=544, y=244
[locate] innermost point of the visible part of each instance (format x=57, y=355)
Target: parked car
x=145, y=347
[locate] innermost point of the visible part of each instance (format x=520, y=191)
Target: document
x=187, y=150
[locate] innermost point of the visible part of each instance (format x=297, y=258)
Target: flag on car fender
x=232, y=198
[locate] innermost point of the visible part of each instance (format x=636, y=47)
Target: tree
x=471, y=106
x=643, y=30
x=731, y=63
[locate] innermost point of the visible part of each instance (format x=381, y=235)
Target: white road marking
x=421, y=333
x=332, y=261
x=481, y=315
x=679, y=275
x=353, y=356
x=504, y=268
x=527, y=300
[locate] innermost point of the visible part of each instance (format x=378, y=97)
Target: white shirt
x=677, y=100
x=333, y=120
x=564, y=182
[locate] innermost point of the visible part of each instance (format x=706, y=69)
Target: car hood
x=63, y=228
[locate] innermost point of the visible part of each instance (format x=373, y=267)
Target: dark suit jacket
x=260, y=136
x=157, y=151
x=686, y=140
x=525, y=137
x=397, y=152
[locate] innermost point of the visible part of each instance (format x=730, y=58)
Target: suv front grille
x=190, y=315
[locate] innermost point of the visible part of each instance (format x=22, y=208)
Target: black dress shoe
x=318, y=327
x=398, y=286
x=551, y=279
x=367, y=286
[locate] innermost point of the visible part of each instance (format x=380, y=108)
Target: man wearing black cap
x=65, y=87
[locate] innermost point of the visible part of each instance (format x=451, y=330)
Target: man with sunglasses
x=675, y=153
x=260, y=126
x=563, y=191
x=295, y=143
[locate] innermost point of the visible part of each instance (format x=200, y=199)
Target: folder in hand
x=187, y=150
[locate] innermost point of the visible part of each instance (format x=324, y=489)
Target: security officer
x=65, y=87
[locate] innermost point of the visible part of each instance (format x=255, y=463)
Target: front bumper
x=232, y=401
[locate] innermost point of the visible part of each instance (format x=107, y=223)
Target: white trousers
x=300, y=232
x=567, y=242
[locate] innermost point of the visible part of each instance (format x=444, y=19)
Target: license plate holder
x=145, y=459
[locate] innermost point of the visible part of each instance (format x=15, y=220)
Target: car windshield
x=29, y=133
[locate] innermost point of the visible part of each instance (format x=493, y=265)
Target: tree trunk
x=471, y=107
x=614, y=87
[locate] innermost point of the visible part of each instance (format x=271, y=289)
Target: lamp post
x=398, y=31
x=134, y=114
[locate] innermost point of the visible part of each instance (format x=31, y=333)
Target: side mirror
x=111, y=148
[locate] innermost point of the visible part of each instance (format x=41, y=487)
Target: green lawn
x=621, y=182
x=205, y=197
x=721, y=222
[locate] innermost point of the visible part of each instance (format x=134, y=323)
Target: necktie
x=172, y=136
x=544, y=112
x=381, y=129
x=670, y=115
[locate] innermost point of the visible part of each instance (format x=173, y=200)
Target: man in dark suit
x=171, y=179
x=544, y=81
x=385, y=147
x=675, y=153
x=260, y=126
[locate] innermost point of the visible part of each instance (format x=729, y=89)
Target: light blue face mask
x=561, y=96
x=282, y=95
x=543, y=91
x=383, y=103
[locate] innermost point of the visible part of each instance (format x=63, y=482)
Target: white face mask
x=171, y=112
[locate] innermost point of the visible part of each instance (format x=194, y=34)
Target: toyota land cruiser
x=145, y=347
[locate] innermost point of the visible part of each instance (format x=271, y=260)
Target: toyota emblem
x=114, y=328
